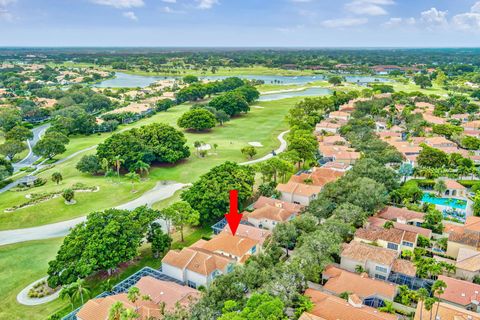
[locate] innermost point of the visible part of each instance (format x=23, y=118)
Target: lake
x=304, y=93
x=125, y=80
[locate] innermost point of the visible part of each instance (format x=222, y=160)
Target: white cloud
x=368, y=7
x=434, y=17
x=4, y=3
x=476, y=8
x=120, y=4
x=167, y=9
x=5, y=15
x=170, y=1
x=130, y=15
x=344, y=22
x=206, y=4
x=397, y=22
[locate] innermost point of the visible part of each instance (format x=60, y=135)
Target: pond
x=290, y=94
x=445, y=202
x=125, y=80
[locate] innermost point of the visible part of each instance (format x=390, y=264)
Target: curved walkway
x=38, y=132
x=24, y=299
x=282, y=148
x=60, y=229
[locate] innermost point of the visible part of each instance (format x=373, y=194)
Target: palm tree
x=438, y=288
x=118, y=163
x=429, y=302
x=57, y=177
x=105, y=165
x=133, y=177
x=422, y=295
x=133, y=294
x=197, y=145
x=440, y=187
x=143, y=167
x=359, y=269
x=80, y=290
x=67, y=292
x=116, y=311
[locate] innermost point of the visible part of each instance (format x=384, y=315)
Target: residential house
x=455, y=189
x=445, y=311
x=265, y=201
x=389, y=238
x=378, y=262
x=339, y=115
x=379, y=222
x=467, y=265
x=251, y=232
x=333, y=140
x=163, y=295
x=194, y=266
x=372, y=292
x=337, y=166
x=461, y=293
x=330, y=307
x=329, y=125
x=467, y=237
x=338, y=153
x=304, y=187
x=270, y=213
x=471, y=125
x=401, y=215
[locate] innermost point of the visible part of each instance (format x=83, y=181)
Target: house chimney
x=278, y=204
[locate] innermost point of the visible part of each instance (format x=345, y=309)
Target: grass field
x=23, y=263
x=261, y=124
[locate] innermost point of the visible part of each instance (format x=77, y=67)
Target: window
x=407, y=244
x=381, y=277
x=381, y=269
x=254, y=249
x=392, y=246
x=230, y=268
x=191, y=284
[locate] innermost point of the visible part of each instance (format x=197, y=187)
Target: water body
x=125, y=80
x=304, y=93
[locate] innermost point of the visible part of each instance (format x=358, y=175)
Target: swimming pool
x=446, y=202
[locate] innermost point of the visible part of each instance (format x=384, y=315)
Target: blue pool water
x=448, y=202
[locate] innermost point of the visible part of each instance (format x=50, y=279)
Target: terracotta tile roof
x=472, y=124
x=250, y=232
x=330, y=140
x=459, y=291
x=446, y=312
x=98, y=309
x=167, y=292
x=338, y=114
x=309, y=316
x=299, y=188
x=452, y=184
x=196, y=260
x=468, y=260
x=379, y=222
x=330, y=307
x=364, y=252
x=472, y=224
x=227, y=243
x=395, y=214
x=466, y=238
x=319, y=176
x=344, y=281
x=334, y=165
x=451, y=227
x=263, y=201
x=405, y=267
x=374, y=233
x=270, y=213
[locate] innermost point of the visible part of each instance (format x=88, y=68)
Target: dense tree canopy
x=232, y=103
x=197, y=119
x=210, y=194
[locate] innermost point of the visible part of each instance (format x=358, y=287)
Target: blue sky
x=284, y=23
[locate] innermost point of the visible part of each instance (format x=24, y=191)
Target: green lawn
x=261, y=124
x=23, y=263
x=20, y=265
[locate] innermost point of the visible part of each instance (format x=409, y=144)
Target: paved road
x=38, y=132
x=59, y=229
x=282, y=148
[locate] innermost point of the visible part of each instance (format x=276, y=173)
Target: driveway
x=30, y=159
x=158, y=193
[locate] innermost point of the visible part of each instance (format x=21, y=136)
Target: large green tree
x=209, y=195
x=181, y=214
x=232, y=103
x=197, y=119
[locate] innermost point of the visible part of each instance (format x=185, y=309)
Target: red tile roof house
x=402, y=215
x=461, y=293
x=268, y=214
x=378, y=262
x=299, y=192
x=379, y=222
x=366, y=288
x=330, y=307
x=159, y=292
x=445, y=311
x=339, y=115
x=199, y=264
x=467, y=237
x=392, y=238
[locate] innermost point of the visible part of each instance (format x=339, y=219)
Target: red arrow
x=233, y=217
